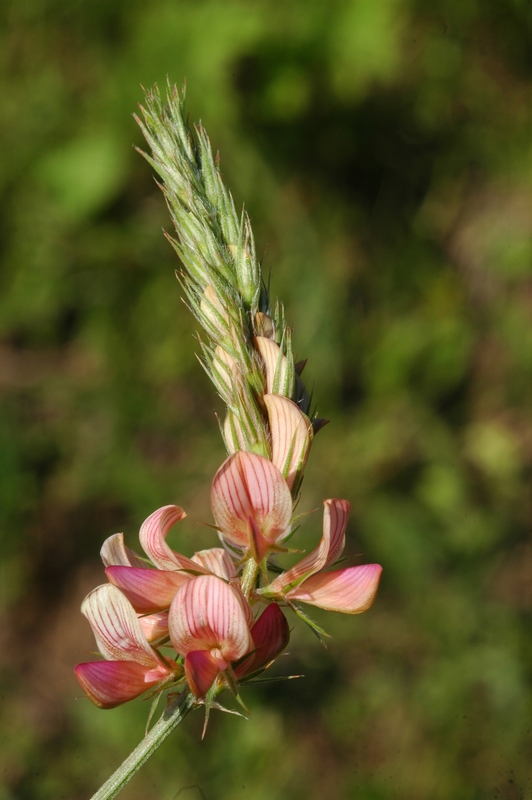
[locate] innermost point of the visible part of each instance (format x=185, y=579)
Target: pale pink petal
x=116, y=627
x=275, y=365
x=114, y=551
x=152, y=537
x=147, y=589
x=291, y=434
x=110, y=683
x=202, y=669
x=270, y=636
x=248, y=485
x=217, y=561
x=350, y=590
x=206, y=614
x=335, y=515
x=154, y=625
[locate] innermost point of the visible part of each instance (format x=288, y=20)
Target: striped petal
x=111, y=683
x=206, y=614
x=276, y=366
x=250, y=486
x=217, y=561
x=350, y=590
x=116, y=627
x=335, y=515
x=202, y=668
x=270, y=636
x=114, y=551
x=152, y=537
x=147, y=589
x=291, y=434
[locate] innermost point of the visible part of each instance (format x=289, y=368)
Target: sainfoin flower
x=350, y=590
x=212, y=626
x=251, y=503
x=132, y=666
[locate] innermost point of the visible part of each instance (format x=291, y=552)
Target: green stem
x=171, y=718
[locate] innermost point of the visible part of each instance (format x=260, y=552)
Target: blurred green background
x=383, y=149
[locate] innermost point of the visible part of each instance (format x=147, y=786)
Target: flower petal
x=114, y=551
x=270, y=635
x=350, y=590
x=154, y=625
x=207, y=614
x=202, y=669
x=217, y=561
x=291, y=433
x=335, y=515
x=275, y=366
x=110, y=683
x=116, y=627
x=147, y=589
x=248, y=485
x=152, y=537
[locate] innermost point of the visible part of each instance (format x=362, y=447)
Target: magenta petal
x=152, y=535
x=110, y=683
x=248, y=485
x=202, y=669
x=335, y=515
x=207, y=614
x=350, y=590
x=270, y=635
x=147, y=589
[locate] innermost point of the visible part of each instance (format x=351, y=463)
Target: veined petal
x=110, y=683
x=154, y=625
x=202, y=668
x=350, y=590
x=275, y=364
x=291, y=433
x=335, y=515
x=114, y=551
x=270, y=635
x=248, y=485
x=217, y=561
x=116, y=627
x=206, y=614
x=153, y=533
x=147, y=589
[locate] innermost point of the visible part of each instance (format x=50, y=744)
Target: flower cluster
x=201, y=606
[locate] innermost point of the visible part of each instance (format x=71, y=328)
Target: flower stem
x=173, y=715
x=249, y=576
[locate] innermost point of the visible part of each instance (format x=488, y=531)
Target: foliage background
x=384, y=152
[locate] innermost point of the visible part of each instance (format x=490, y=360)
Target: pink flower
x=132, y=666
x=209, y=625
x=149, y=590
x=251, y=503
x=350, y=590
